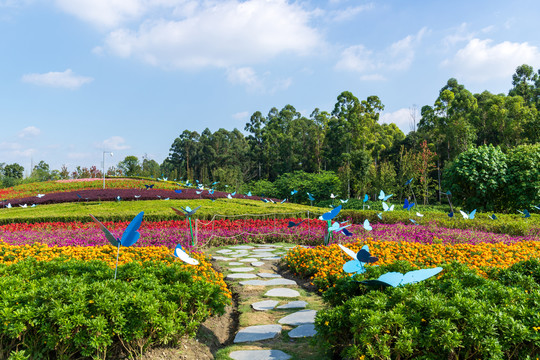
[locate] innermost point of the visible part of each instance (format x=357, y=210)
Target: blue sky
x=79, y=77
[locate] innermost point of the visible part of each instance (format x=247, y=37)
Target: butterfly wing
x=409, y=181
x=192, y=212
x=414, y=222
x=451, y=214
x=346, y=232
x=420, y=275
x=229, y=196
x=131, y=235
x=464, y=214
x=379, y=215
x=385, y=206
x=526, y=213
x=493, y=217
x=406, y=204
x=381, y=195
x=347, y=251
x=178, y=211
x=331, y=214
x=389, y=279
x=182, y=255
x=388, y=197
x=364, y=256
x=367, y=226
x=366, y=197
x=108, y=235
x=471, y=215
x=248, y=194
x=418, y=214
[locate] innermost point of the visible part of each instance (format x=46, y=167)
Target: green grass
x=154, y=210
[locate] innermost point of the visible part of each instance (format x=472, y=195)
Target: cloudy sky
x=79, y=77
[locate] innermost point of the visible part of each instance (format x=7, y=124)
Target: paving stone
x=299, y=318
x=224, y=251
x=262, y=250
x=272, y=258
x=280, y=253
x=241, y=247
x=298, y=304
x=268, y=275
x=236, y=263
x=282, y=292
x=242, y=269
x=261, y=255
x=257, y=263
x=240, y=276
x=223, y=258
x=248, y=259
x=257, y=332
x=259, y=355
x=272, y=282
x=265, y=305
x=306, y=330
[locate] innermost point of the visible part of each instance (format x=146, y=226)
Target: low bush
x=67, y=309
x=457, y=315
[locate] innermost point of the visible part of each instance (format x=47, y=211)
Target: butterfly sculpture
x=249, y=193
x=362, y=257
x=379, y=215
x=182, y=255
x=129, y=237
x=536, y=207
x=166, y=199
x=451, y=214
x=384, y=197
x=186, y=211
x=198, y=192
x=293, y=224
x=418, y=214
x=23, y=206
x=178, y=191
x=211, y=192
x=414, y=222
x=234, y=193
x=8, y=205
x=469, y=216
x=526, y=213
x=283, y=201
x=367, y=225
x=215, y=183
x=398, y=279
x=346, y=232
x=149, y=186
x=264, y=200
x=118, y=198
x=229, y=196
x=408, y=206
x=386, y=207
x=366, y=197
x=310, y=197
x=40, y=195
x=493, y=217
x=344, y=201
x=337, y=227
x=332, y=196
x=331, y=214
x=136, y=196
x=409, y=181
x=294, y=192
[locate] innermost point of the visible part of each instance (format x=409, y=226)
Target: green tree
x=41, y=171
x=523, y=177
x=130, y=166
x=526, y=84
x=150, y=168
x=14, y=171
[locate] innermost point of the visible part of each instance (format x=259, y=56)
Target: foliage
x=455, y=316
x=65, y=309
x=523, y=177
x=319, y=185
x=477, y=178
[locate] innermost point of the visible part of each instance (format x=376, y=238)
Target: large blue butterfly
x=310, y=197
x=408, y=206
x=293, y=224
x=398, y=279
x=468, y=216
x=294, y=192
x=409, y=181
x=384, y=197
x=149, y=186
x=356, y=265
x=526, y=213
x=366, y=197
x=331, y=214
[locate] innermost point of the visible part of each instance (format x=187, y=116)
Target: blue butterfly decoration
x=249, y=193
x=198, y=192
x=186, y=211
x=229, y=196
x=398, y=279
x=367, y=225
x=310, y=197
x=346, y=232
x=149, y=186
x=331, y=214
x=234, y=193
x=493, y=217
x=178, y=191
x=408, y=206
x=211, y=192
x=409, y=181
x=344, y=201
x=215, y=183
x=469, y=216
x=264, y=200
x=451, y=214
x=118, y=198
x=526, y=213
x=414, y=222
x=386, y=207
x=337, y=227
x=537, y=207
x=379, y=215
x=282, y=201
x=384, y=197
x=362, y=257
x=293, y=224
x=129, y=237
x=366, y=197
x=294, y=192
x=182, y=255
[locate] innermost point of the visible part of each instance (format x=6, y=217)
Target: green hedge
x=68, y=309
x=458, y=316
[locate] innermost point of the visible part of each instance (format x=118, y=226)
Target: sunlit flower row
x=323, y=264
x=10, y=254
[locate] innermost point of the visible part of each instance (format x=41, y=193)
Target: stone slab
x=261, y=255
x=241, y=247
x=224, y=251
x=299, y=318
x=264, y=305
x=272, y=258
x=240, y=276
x=257, y=263
x=242, y=269
x=282, y=292
x=306, y=330
x=298, y=304
x=223, y=258
x=268, y=275
x=236, y=263
x=262, y=249
x=257, y=333
x=272, y=282
x=248, y=260
x=259, y=355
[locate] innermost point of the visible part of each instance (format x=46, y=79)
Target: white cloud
x=349, y=12
x=244, y=76
x=113, y=143
x=240, y=115
x=396, y=57
x=220, y=34
x=8, y=146
x=401, y=117
x=66, y=79
x=29, y=131
x=482, y=60
x=103, y=13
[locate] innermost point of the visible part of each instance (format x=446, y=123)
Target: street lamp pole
x=105, y=152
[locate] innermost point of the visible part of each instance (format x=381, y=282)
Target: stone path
x=276, y=315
